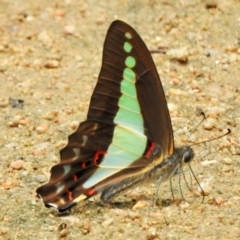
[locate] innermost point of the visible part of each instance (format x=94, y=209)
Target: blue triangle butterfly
x=127, y=136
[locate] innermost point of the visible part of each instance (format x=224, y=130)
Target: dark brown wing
x=127, y=113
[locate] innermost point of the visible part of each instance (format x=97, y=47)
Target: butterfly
x=127, y=137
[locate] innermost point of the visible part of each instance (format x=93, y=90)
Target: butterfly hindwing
x=122, y=136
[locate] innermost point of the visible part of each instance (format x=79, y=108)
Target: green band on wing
x=129, y=103
x=133, y=120
x=127, y=146
x=129, y=89
x=127, y=47
x=129, y=141
x=129, y=75
x=128, y=35
x=130, y=62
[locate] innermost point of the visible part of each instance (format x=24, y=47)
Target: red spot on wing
x=90, y=192
x=70, y=196
x=150, y=149
x=97, y=156
x=83, y=164
x=75, y=177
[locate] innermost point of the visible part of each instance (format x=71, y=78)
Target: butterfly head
x=187, y=154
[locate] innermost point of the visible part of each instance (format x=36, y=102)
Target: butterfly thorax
x=171, y=164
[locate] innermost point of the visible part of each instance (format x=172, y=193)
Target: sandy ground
x=50, y=57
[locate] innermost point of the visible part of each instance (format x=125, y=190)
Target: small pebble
x=206, y=163
x=233, y=58
x=51, y=64
x=225, y=143
x=179, y=54
x=2, y=48
x=59, y=13
x=205, y=189
x=4, y=231
x=231, y=49
x=18, y=121
x=171, y=107
x=74, y=125
x=62, y=226
x=69, y=29
x=50, y=115
x=78, y=58
x=152, y=234
x=100, y=20
x=29, y=18
x=215, y=111
x=45, y=38
x=40, y=179
x=140, y=204
x=156, y=214
x=227, y=161
x=210, y=4
x=41, y=128
x=16, y=103
x=51, y=228
x=62, y=86
x=60, y=144
x=49, y=95
x=184, y=205
x=175, y=81
x=41, y=148
x=219, y=200
x=17, y=164
x=209, y=124
x=227, y=169
x=107, y=222
x=37, y=64
x=4, y=102
x=177, y=92
x=63, y=233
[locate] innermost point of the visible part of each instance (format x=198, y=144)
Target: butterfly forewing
x=122, y=43
x=128, y=126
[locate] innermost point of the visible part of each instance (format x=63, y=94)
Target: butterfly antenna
x=199, y=112
x=213, y=139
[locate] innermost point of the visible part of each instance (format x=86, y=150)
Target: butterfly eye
x=188, y=155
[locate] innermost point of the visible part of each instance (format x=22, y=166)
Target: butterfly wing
x=128, y=126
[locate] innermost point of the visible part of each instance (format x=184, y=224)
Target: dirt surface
x=50, y=57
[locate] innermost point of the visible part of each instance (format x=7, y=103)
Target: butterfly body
x=157, y=173
x=127, y=137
